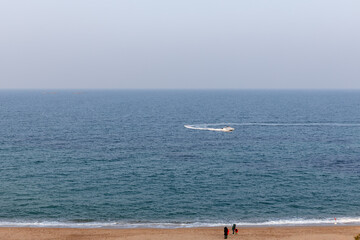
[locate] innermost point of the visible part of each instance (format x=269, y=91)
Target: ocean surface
x=123, y=158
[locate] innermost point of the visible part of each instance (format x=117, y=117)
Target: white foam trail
x=210, y=126
x=204, y=128
x=299, y=124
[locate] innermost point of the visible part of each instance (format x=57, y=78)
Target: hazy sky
x=180, y=44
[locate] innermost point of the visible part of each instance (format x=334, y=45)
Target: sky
x=184, y=44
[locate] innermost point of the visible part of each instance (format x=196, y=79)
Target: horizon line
x=182, y=89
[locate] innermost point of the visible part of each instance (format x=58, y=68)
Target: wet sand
x=256, y=233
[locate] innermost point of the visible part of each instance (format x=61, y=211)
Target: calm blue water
x=125, y=159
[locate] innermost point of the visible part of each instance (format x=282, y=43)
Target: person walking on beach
x=233, y=228
x=226, y=232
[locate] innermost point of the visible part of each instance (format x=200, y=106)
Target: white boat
x=227, y=129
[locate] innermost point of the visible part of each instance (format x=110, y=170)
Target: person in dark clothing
x=233, y=228
x=226, y=232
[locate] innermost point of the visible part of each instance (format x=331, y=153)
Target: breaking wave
x=171, y=225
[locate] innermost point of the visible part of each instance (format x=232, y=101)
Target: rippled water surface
x=124, y=158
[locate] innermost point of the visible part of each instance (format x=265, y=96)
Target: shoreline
x=335, y=232
x=115, y=225
x=88, y=224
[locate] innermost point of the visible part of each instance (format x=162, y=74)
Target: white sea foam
x=204, y=128
x=114, y=224
x=306, y=222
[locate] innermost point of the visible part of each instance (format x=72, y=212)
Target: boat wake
x=225, y=126
x=198, y=127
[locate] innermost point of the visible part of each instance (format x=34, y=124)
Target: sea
x=151, y=158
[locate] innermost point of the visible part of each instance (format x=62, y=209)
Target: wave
x=171, y=225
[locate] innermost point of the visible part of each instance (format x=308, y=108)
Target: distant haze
x=180, y=44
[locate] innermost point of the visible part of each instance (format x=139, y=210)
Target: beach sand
x=268, y=233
